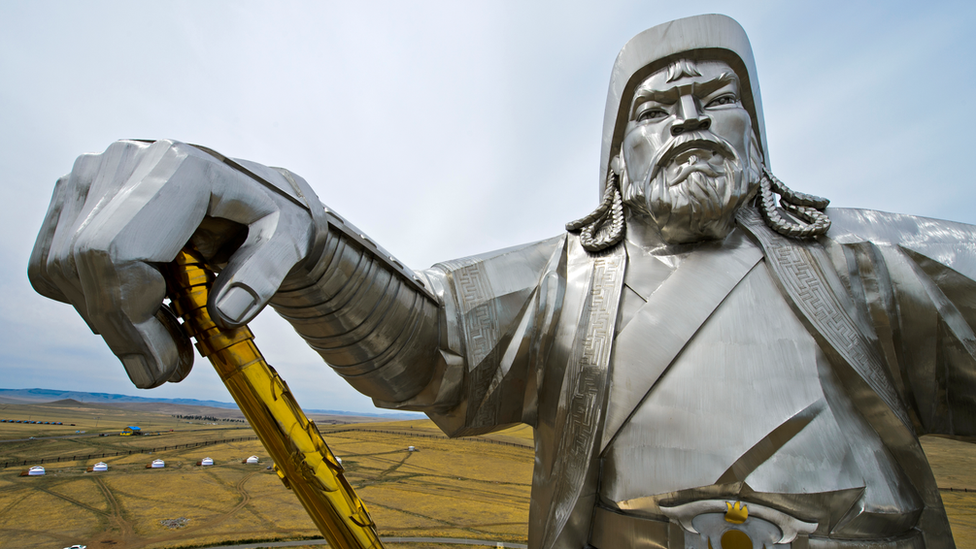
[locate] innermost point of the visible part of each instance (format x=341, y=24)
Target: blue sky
x=441, y=129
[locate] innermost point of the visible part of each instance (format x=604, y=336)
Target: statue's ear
x=617, y=164
x=619, y=168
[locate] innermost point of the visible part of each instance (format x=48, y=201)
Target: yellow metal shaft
x=302, y=459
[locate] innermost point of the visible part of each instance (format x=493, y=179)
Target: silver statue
x=708, y=359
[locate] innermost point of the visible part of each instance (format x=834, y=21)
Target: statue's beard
x=692, y=198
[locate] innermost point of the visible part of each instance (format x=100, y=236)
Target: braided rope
x=604, y=227
x=806, y=207
x=798, y=199
x=600, y=211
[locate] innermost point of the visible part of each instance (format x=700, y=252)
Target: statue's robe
x=793, y=376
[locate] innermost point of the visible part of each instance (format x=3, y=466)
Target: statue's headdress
x=699, y=38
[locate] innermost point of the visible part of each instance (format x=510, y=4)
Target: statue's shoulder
x=483, y=278
x=949, y=243
x=525, y=261
x=852, y=225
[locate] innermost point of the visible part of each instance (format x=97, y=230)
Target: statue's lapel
x=803, y=273
x=648, y=344
x=582, y=396
x=812, y=288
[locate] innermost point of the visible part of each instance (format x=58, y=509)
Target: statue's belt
x=709, y=519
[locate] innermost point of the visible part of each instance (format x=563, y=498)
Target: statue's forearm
x=368, y=316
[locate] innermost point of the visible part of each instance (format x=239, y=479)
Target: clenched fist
x=121, y=213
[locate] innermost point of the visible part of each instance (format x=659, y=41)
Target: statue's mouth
x=694, y=149
x=680, y=150
x=693, y=155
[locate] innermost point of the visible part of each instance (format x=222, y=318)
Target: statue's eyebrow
x=672, y=92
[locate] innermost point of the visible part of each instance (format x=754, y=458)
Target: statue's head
x=684, y=142
x=703, y=38
x=688, y=158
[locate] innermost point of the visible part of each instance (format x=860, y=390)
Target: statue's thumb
x=251, y=279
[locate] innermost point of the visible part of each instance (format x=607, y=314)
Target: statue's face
x=688, y=151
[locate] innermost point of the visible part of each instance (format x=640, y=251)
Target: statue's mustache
x=691, y=140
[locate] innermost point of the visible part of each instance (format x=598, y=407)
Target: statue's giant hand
x=120, y=213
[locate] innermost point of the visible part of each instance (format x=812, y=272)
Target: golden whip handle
x=302, y=459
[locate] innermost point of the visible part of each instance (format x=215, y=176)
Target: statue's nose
x=690, y=118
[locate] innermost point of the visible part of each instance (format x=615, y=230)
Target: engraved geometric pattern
x=603, y=300
x=588, y=375
x=480, y=324
x=795, y=267
x=456, y=264
x=481, y=380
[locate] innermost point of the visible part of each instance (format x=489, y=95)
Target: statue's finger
x=147, y=222
x=275, y=244
x=76, y=199
x=37, y=272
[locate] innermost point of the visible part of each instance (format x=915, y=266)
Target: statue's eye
x=727, y=99
x=651, y=114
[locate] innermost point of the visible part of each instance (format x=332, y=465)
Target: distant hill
x=66, y=402
x=51, y=395
x=25, y=396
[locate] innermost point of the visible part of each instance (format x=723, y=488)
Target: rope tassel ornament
x=604, y=227
x=808, y=208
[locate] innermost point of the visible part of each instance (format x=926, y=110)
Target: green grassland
x=470, y=488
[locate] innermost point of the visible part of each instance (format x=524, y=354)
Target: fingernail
x=236, y=303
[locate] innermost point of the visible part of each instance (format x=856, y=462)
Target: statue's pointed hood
x=701, y=37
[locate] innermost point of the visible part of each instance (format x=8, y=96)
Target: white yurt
x=100, y=466
x=36, y=470
x=252, y=460
x=206, y=461
x=158, y=464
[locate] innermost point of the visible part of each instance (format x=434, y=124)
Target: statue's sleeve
x=369, y=317
x=499, y=313
x=916, y=281
x=458, y=341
